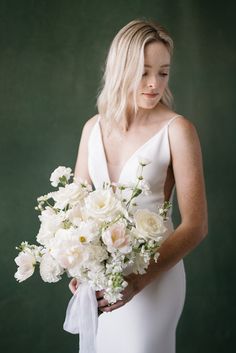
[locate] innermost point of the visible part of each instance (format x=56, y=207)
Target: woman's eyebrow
x=165, y=65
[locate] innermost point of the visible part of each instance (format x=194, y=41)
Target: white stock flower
x=139, y=265
x=116, y=238
x=26, y=261
x=71, y=194
x=94, y=255
x=103, y=204
x=149, y=224
x=144, y=185
x=49, y=269
x=50, y=223
x=58, y=173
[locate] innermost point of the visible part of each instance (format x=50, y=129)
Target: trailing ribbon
x=82, y=317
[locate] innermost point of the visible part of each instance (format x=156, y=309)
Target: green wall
x=51, y=59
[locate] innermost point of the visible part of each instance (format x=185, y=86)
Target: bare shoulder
x=184, y=142
x=89, y=124
x=182, y=128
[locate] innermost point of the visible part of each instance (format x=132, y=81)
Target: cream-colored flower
x=50, y=223
x=58, y=173
x=49, y=269
x=103, y=204
x=67, y=248
x=26, y=261
x=149, y=224
x=71, y=194
x=143, y=161
x=116, y=237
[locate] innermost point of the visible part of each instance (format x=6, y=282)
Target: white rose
x=149, y=224
x=58, y=173
x=70, y=194
x=116, y=238
x=103, y=204
x=49, y=269
x=26, y=262
x=50, y=223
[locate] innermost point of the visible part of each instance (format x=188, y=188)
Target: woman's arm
x=81, y=169
x=81, y=165
x=190, y=187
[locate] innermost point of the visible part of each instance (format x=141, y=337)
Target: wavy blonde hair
x=116, y=98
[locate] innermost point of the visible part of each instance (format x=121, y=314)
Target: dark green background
x=51, y=59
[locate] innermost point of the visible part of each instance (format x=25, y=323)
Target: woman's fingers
x=102, y=303
x=73, y=285
x=99, y=294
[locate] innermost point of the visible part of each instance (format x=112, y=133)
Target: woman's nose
x=152, y=83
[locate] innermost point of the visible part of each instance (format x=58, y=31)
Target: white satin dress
x=147, y=323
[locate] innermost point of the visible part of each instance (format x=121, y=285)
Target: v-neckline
x=131, y=156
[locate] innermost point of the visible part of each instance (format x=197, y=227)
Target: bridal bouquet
x=93, y=235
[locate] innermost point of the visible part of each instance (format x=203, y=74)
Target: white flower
x=149, y=224
x=67, y=248
x=103, y=204
x=49, y=269
x=71, y=194
x=143, y=161
x=26, y=261
x=50, y=223
x=76, y=215
x=60, y=173
x=144, y=185
x=116, y=238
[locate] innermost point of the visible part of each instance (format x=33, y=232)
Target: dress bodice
x=156, y=149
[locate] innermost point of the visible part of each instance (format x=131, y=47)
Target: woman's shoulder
x=88, y=126
x=91, y=122
x=182, y=133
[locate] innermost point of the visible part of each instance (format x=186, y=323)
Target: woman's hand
x=129, y=292
x=73, y=285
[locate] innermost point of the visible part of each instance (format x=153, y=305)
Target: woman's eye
x=144, y=74
x=163, y=74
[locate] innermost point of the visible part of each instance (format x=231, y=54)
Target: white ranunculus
x=149, y=224
x=49, y=269
x=71, y=194
x=103, y=204
x=58, y=173
x=67, y=248
x=26, y=261
x=116, y=238
x=50, y=223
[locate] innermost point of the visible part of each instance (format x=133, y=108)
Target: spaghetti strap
x=172, y=119
x=98, y=118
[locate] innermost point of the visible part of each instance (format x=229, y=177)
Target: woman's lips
x=150, y=95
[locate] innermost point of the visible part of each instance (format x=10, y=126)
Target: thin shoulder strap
x=172, y=119
x=98, y=118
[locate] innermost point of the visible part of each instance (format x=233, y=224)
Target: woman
x=135, y=121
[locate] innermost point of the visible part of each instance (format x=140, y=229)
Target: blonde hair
x=124, y=68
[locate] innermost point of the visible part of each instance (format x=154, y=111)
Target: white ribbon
x=82, y=317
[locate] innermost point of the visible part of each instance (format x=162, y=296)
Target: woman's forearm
x=174, y=248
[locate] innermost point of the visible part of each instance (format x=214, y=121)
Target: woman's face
x=155, y=75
